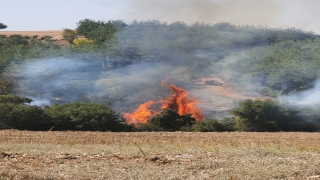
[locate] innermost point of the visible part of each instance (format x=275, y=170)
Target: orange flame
x=141, y=114
x=178, y=102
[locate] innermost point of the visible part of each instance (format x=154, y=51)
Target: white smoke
x=310, y=96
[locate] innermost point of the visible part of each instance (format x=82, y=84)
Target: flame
x=141, y=114
x=178, y=102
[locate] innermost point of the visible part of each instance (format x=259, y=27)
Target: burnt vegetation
x=278, y=61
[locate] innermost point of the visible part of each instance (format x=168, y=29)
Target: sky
x=31, y=15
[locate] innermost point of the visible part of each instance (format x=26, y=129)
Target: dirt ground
x=158, y=155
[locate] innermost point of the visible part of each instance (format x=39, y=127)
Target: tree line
x=251, y=115
x=281, y=61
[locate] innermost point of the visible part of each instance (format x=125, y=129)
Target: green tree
x=257, y=115
x=304, y=118
x=3, y=26
x=18, y=40
x=84, y=117
x=99, y=31
x=23, y=117
x=168, y=120
x=282, y=68
x=16, y=113
x=9, y=98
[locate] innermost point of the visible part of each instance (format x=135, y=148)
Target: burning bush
x=178, y=102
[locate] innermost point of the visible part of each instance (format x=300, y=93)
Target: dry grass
x=161, y=155
x=55, y=34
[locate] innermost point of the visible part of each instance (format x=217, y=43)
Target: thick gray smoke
x=183, y=55
x=61, y=80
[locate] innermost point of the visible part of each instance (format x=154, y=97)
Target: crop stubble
x=158, y=155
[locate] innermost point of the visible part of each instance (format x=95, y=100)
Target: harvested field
x=158, y=155
x=55, y=34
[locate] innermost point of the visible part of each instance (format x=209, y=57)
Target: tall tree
x=3, y=26
x=257, y=115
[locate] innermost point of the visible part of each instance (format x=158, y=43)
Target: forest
x=109, y=68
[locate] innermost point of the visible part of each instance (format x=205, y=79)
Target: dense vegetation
x=278, y=61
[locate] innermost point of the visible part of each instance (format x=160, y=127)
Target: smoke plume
x=155, y=51
x=272, y=13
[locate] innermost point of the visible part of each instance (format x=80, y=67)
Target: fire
x=178, y=102
x=141, y=114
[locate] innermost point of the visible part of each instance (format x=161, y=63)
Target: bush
x=85, y=117
x=3, y=26
x=257, y=115
x=18, y=40
x=16, y=113
x=269, y=115
x=208, y=125
x=23, y=117
x=306, y=118
x=69, y=35
x=228, y=124
x=211, y=125
x=79, y=42
x=167, y=120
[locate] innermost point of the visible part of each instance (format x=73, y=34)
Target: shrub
x=167, y=120
x=3, y=26
x=257, y=115
x=208, y=125
x=23, y=117
x=85, y=117
x=79, y=42
x=228, y=124
x=69, y=35
x=211, y=125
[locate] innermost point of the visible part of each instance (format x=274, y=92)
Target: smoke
x=272, y=13
x=55, y=80
x=307, y=97
x=61, y=80
x=153, y=51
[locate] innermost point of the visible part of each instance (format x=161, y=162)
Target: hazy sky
x=22, y=15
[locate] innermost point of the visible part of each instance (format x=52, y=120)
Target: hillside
x=123, y=66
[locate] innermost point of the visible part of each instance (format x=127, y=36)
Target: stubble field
x=158, y=155
x=55, y=34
